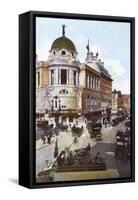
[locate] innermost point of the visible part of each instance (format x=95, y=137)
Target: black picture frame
x=27, y=53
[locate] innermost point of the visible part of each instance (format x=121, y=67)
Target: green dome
x=63, y=43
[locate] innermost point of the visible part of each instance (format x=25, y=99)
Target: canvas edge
x=30, y=181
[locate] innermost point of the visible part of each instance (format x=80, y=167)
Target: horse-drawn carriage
x=62, y=127
x=95, y=130
x=123, y=142
x=120, y=117
x=115, y=121
x=128, y=124
x=77, y=131
x=80, y=160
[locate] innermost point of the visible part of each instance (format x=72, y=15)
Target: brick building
x=124, y=102
x=120, y=101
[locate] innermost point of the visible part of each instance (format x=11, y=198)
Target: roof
x=104, y=71
x=63, y=43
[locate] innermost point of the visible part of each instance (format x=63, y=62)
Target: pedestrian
x=56, y=151
x=48, y=139
x=56, y=138
x=56, y=143
x=106, y=122
x=98, y=158
x=103, y=120
x=43, y=139
x=88, y=148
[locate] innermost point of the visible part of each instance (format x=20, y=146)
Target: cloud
x=121, y=80
x=43, y=52
x=115, y=67
x=123, y=85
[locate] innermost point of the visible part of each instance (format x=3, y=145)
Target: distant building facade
x=67, y=90
x=114, y=101
x=120, y=101
x=124, y=102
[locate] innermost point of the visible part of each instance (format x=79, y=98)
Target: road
x=105, y=147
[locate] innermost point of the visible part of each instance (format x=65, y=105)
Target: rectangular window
x=93, y=83
x=86, y=80
x=52, y=77
x=89, y=82
x=74, y=77
x=63, y=76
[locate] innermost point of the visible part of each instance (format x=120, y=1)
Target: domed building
x=64, y=68
x=68, y=91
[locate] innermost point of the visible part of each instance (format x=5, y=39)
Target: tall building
x=67, y=90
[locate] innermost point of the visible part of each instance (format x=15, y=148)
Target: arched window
x=93, y=83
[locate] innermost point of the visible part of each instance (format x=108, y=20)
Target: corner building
x=68, y=91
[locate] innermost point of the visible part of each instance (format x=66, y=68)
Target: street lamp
x=52, y=101
x=59, y=105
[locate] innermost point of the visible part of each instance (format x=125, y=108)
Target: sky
x=110, y=39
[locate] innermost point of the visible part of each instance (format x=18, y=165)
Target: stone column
x=59, y=76
x=67, y=76
x=99, y=85
x=88, y=81
x=71, y=76
x=94, y=83
x=56, y=76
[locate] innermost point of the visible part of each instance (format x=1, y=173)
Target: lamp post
x=59, y=105
x=52, y=101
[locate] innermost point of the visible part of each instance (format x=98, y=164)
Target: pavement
x=40, y=144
